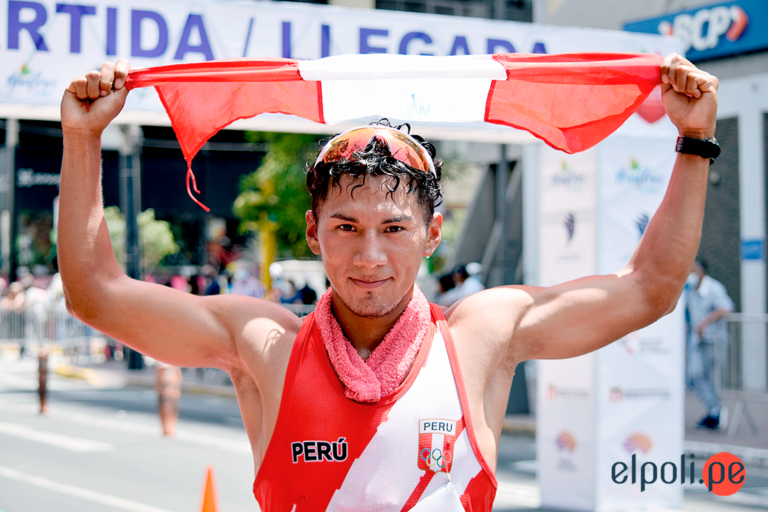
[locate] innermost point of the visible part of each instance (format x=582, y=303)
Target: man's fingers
x=107, y=76
x=79, y=86
x=692, y=85
x=121, y=73
x=93, y=78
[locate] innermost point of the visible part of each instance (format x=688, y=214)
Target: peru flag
x=570, y=101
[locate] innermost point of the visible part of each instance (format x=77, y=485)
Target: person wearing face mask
x=708, y=304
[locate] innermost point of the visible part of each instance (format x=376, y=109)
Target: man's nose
x=370, y=253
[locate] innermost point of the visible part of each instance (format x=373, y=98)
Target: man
x=708, y=304
x=377, y=398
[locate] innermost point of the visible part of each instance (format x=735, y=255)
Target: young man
x=708, y=304
x=377, y=399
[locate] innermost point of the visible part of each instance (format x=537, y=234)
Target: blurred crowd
x=462, y=281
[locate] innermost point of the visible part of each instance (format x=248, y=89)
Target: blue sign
x=752, y=249
x=715, y=30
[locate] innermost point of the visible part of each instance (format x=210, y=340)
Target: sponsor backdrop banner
x=44, y=43
x=626, y=399
x=566, y=415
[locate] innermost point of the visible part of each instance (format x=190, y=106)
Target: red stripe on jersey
x=419, y=490
x=467, y=419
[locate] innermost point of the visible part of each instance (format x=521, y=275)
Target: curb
x=72, y=372
x=752, y=456
x=519, y=425
x=188, y=387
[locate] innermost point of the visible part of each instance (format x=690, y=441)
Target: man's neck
x=365, y=334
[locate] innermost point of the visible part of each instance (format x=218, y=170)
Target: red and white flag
x=570, y=101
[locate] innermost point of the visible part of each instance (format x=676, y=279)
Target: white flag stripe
x=392, y=476
x=78, y=492
x=430, y=100
x=73, y=444
x=386, y=67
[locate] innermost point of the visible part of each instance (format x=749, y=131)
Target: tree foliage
x=155, y=236
x=277, y=191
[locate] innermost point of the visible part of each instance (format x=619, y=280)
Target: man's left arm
x=723, y=306
x=580, y=316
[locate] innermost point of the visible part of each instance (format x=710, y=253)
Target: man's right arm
x=166, y=324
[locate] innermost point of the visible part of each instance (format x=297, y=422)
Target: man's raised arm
x=580, y=316
x=163, y=323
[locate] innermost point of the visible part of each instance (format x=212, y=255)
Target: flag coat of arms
x=436, y=441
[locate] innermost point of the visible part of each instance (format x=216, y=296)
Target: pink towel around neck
x=385, y=369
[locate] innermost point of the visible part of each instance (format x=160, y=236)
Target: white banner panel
x=623, y=403
x=639, y=379
x=46, y=42
x=565, y=435
x=634, y=172
x=565, y=432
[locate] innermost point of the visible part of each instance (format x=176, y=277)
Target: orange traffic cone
x=210, y=496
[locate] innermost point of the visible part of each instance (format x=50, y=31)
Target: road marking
x=79, y=492
x=73, y=444
x=230, y=445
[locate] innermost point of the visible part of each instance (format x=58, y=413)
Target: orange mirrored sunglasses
x=402, y=146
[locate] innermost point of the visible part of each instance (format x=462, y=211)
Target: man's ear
x=434, y=234
x=312, y=240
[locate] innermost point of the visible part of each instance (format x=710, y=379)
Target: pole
x=130, y=205
x=502, y=174
x=8, y=216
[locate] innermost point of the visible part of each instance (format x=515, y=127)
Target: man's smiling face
x=372, y=242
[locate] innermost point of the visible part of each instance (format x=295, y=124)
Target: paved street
x=100, y=449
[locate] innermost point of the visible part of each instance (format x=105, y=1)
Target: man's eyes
x=388, y=229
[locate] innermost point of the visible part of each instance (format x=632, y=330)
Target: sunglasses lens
x=400, y=146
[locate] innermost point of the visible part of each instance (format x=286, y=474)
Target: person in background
x=213, y=288
x=446, y=288
x=708, y=304
x=472, y=282
x=243, y=283
x=14, y=303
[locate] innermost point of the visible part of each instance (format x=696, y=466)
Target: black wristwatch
x=706, y=148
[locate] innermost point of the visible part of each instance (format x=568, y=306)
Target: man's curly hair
x=377, y=160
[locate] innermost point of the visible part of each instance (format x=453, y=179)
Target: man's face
x=371, y=243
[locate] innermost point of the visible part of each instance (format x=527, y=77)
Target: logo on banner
x=436, y=441
x=633, y=344
x=618, y=394
x=570, y=226
x=30, y=81
x=641, y=177
x=567, y=178
x=565, y=442
x=554, y=393
x=641, y=223
x=638, y=442
x=703, y=29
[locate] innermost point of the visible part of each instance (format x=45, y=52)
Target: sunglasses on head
x=402, y=146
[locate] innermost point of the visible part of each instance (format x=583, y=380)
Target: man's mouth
x=368, y=284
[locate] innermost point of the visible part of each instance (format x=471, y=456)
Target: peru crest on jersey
x=436, y=440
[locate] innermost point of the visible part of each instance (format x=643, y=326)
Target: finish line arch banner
x=609, y=414
x=44, y=43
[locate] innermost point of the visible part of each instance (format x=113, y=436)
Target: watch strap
x=705, y=148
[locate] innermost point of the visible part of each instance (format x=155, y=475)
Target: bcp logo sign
x=727, y=28
x=703, y=29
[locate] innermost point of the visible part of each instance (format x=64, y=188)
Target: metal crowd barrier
x=741, y=369
x=40, y=325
